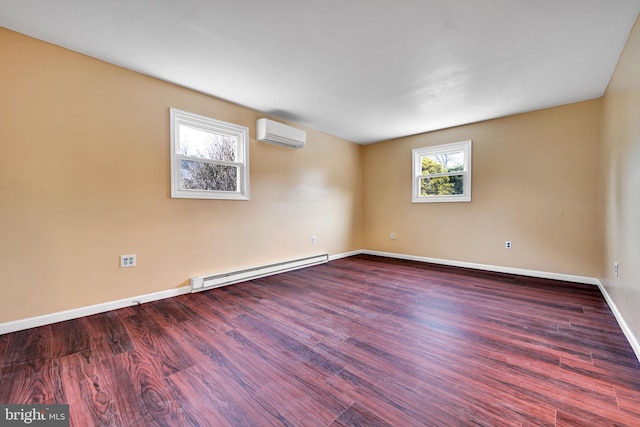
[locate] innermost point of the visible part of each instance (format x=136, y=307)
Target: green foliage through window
x=436, y=186
x=441, y=173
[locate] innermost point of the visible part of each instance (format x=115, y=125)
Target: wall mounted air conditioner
x=280, y=134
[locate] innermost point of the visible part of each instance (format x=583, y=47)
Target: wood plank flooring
x=361, y=341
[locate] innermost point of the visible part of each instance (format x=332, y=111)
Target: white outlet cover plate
x=127, y=261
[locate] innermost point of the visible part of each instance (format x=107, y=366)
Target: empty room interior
x=437, y=224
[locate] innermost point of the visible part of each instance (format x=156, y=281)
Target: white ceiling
x=363, y=70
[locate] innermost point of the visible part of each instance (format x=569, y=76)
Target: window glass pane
x=207, y=145
x=205, y=176
x=442, y=162
x=442, y=186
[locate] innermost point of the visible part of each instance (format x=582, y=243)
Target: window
x=209, y=158
x=442, y=173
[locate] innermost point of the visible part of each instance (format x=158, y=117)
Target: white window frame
x=178, y=118
x=418, y=153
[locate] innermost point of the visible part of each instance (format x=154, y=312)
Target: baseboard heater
x=201, y=283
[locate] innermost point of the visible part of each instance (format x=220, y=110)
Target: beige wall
x=535, y=183
x=84, y=178
x=620, y=183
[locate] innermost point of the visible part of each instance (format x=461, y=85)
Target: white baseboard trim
x=345, y=254
x=46, y=319
x=487, y=267
x=633, y=340
x=32, y=322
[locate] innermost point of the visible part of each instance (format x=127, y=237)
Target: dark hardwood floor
x=361, y=341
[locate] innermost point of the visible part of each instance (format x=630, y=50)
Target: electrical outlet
x=615, y=269
x=507, y=244
x=314, y=240
x=392, y=236
x=127, y=261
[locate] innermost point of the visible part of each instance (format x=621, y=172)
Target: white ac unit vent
x=280, y=134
